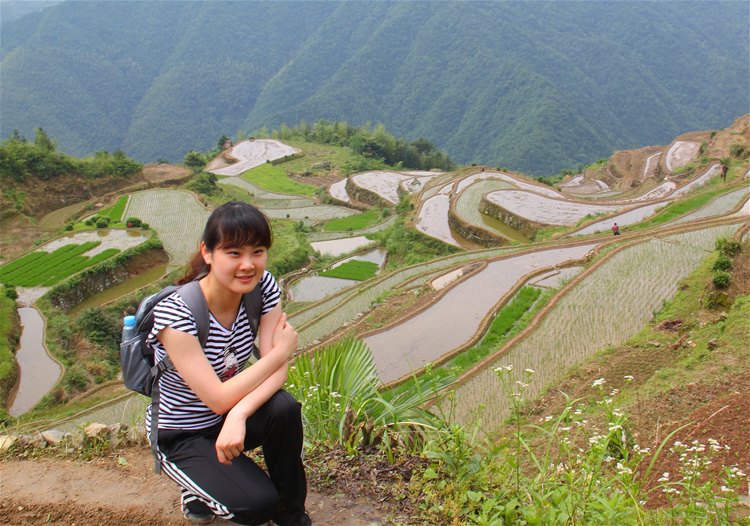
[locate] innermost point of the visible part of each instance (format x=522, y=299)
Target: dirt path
x=122, y=490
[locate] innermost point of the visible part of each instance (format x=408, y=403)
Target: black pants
x=242, y=491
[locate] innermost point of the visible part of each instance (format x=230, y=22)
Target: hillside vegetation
x=535, y=87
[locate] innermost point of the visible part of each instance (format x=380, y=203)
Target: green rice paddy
x=273, y=178
x=356, y=222
x=354, y=269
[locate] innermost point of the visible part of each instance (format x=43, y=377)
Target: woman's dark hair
x=233, y=224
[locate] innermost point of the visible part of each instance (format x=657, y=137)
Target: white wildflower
x=598, y=382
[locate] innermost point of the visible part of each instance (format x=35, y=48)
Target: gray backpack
x=140, y=372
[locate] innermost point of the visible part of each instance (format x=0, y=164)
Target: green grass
x=357, y=222
x=114, y=213
x=7, y=306
x=273, y=178
x=354, y=269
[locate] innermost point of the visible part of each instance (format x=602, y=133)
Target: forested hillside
x=532, y=86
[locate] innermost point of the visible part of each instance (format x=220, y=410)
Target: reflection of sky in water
x=337, y=247
x=316, y=288
x=38, y=372
x=454, y=318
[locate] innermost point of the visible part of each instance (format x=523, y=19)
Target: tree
x=223, y=141
x=194, y=160
x=42, y=140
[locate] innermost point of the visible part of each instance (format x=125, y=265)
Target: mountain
x=13, y=9
x=531, y=86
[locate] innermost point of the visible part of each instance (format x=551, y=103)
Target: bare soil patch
x=737, y=133
x=162, y=173
x=44, y=196
x=127, y=493
x=321, y=181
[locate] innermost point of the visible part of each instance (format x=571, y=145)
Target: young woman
x=215, y=405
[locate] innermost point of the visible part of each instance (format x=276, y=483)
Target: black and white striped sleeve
x=173, y=313
x=270, y=291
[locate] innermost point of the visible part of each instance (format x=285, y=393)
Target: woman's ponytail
x=197, y=268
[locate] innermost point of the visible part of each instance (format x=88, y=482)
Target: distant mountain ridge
x=531, y=86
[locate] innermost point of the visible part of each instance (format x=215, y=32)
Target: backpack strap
x=253, y=301
x=193, y=297
x=153, y=433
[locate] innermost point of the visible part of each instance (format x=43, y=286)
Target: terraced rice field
x=326, y=236
x=681, y=153
x=257, y=191
x=324, y=317
x=175, y=215
x=313, y=214
x=338, y=191
x=466, y=205
x=433, y=218
x=107, y=238
x=384, y=184
x=606, y=308
x=517, y=183
x=541, y=209
x=337, y=247
x=632, y=216
x=254, y=153
x=455, y=318
x=713, y=170
x=719, y=206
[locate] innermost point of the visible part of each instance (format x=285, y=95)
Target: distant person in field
x=724, y=170
x=215, y=402
x=615, y=230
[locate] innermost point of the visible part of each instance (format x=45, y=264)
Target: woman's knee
x=257, y=509
x=283, y=405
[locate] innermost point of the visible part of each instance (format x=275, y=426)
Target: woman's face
x=238, y=269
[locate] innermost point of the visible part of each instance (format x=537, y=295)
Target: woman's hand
x=285, y=338
x=231, y=440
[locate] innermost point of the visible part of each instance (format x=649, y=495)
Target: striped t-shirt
x=227, y=350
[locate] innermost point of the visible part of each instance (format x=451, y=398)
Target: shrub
x=739, y=151
x=133, y=222
x=102, y=222
x=723, y=263
x=10, y=292
x=75, y=379
x=721, y=279
x=727, y=247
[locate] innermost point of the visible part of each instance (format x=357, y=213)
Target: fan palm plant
x=339, y=388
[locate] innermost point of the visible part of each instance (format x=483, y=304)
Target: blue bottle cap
x=129, y=321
